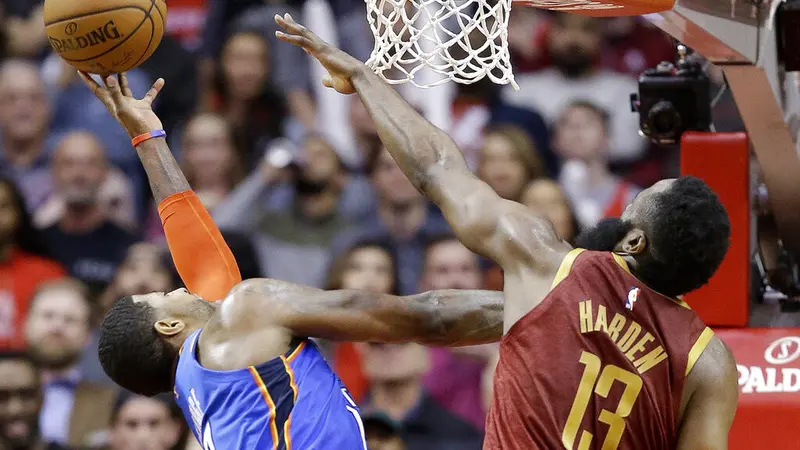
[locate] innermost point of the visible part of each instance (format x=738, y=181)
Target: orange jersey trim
x=287, y=426
x=273, y=427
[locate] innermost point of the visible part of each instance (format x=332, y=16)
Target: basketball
x=105, y=36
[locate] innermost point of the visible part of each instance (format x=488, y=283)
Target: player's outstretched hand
x=135, y=115
x=341, y=67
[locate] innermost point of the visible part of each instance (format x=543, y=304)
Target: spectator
x=244, y=95
x=144, y=423
x=369, y=266
x=85, y=240
x=546, y=198
x=24, y=28
x=210, y=160
x=74, y=412
x=294, y=243
x=24, y=117
x=76, y=108
x=395, y=372
x=454, y=379
x=381, y=432
x=581, y=138
x=509, y=161
x=574, y=44
x=634, y=44
x=20, y=384
x=23, y=264
x=365, y=135
x=402, y=217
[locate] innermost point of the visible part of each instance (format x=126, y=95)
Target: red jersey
x=599, y=364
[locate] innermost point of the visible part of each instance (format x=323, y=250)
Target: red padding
x=722, y=160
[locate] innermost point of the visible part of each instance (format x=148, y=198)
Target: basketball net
x=430, y=42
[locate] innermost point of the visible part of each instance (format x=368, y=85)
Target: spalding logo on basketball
x=99, y=36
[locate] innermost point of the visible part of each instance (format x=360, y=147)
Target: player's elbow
x=431, y=323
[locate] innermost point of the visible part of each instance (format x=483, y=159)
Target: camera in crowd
x=673, y=98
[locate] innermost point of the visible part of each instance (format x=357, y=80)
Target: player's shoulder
x=715, y=369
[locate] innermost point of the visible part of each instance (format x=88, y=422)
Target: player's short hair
x=131, y=351
x=689, y=234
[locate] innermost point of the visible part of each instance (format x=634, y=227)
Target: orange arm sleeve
x=204, y=261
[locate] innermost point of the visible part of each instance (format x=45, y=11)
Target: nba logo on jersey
x=633, y=295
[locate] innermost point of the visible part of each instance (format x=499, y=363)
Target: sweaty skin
x=523, y=244
x=257, y=319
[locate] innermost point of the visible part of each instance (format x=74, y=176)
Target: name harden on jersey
x=626, y=335
x=101, y=34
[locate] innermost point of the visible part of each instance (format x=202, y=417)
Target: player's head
x=141, y=335
x=677, y=231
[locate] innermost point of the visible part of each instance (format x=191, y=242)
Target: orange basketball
x=105, y=36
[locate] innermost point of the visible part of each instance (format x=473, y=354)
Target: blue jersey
x=292, y=401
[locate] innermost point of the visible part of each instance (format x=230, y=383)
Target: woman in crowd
x=244, y=96
x=509, y=161
x=369, y=266
x=24, y=264
x=209, y=158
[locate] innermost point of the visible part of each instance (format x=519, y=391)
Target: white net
x=431, y=42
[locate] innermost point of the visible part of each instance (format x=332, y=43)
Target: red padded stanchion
x=722, y=160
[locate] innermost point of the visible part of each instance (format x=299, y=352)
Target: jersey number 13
x=590, y=384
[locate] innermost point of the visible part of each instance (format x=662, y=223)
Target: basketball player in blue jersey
x=242, y=369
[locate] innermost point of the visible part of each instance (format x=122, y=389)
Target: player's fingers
x=113, y=88
x=300, y=41
x=151, y=95
x=123, y=83
x=327, y=81
x=90, y=83
x=288, y=23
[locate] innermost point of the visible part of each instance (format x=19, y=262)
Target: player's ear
x=169, y=327
x=633, y=243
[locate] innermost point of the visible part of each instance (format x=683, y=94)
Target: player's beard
x=605, y=235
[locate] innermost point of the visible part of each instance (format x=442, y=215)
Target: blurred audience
x=24, y=264
x=25, y=143
x=395, y=372
x=574, y=43
x=370, y=266
x=293, y=243
x=402, y=217
x=20, y=401
x=74, y=412
x=144, y=423
x=581, y=138
x=508, y=161
x=85, y=239
x=244, y=96
x=382, y=432
x=546, y=198
x=454, y=378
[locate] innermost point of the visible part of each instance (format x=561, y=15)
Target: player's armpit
x=443, y=318
x=203, y=259
x=709, y=413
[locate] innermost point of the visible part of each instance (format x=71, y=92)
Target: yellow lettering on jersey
x=600, y=324
x=631, y=334
x=639, y=347
x=649, y=360
x=585, y=313
x=617, y=324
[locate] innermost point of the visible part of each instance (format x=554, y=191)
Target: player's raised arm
x=489, y=225
x=203, y=259
x=443, y=317
x=708, y=414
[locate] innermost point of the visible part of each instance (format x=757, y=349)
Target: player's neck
x=397, y=398
x=402, y=219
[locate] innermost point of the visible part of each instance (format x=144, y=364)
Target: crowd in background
x=296, y=199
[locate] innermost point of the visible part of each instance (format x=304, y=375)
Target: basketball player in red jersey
x=599, y=351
